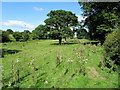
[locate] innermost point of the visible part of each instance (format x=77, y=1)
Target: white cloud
x=80, y=17
x=38, y=9
x=16, y=23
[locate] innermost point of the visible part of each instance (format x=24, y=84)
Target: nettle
x=112, y=50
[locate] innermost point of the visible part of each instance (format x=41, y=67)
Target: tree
x=26, y=35
x=41, y=32
x=53, y=34
x=9, y=31
x=102, y=18
x=5, y=36
x=82, y=34
x=59, y=20
x=68, y=33
x=18, y=36
x=0, y=36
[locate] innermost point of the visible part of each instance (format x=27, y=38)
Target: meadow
x=45, y=64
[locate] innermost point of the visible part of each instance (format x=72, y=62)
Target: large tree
x=59, y=21
x=102, y=18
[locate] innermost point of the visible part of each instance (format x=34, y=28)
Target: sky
x=20, y=16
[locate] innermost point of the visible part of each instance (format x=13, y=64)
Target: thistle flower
x=46, y=82
x=84, y=60
x=69, y=60
x=9, y=84
x=17, y=60
x=1, y=67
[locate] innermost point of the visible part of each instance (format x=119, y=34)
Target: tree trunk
x=65, y=39
x=60, y=40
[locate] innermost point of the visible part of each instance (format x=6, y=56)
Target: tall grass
x=40, y=64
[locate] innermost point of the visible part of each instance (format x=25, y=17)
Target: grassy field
x=44, y=64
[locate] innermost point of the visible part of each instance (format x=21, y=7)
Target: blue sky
x=20, y=16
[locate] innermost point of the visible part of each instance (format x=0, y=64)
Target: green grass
x=56, y=66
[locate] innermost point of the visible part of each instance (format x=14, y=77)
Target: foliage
x=9, y=31
x=82, y=34
x=61, y=20
x=0, y=36
x=40, y=32
x=54, y=34
x=100, y=20
x=112, y=48
x=11, y=38
x=18, y=36
x=26, y=35
x=68, y=33
x=5, y=36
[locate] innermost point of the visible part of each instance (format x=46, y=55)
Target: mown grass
x=43, y=64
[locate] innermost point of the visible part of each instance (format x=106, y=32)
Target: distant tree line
x=58, y=26
x=40, y=32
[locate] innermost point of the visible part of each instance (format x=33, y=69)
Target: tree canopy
x=59, y=22
x=40, y=32
x=102, y=18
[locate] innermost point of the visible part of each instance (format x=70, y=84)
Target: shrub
x=18, y=36
x=112, y=49
x=11, y=38
x=5, y=36
x=73, y=41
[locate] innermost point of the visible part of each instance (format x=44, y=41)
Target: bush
x=112, y=49
x=18, y=36
x=11, y=38
x=73, y=41
x=5, y=36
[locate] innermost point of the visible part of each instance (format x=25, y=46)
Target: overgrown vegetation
x=112, y=49
x=40, y=64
